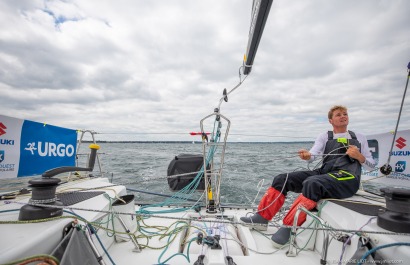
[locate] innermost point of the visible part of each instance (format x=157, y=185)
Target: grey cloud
x=162, y=65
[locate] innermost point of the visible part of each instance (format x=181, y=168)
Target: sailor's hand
x=304, y=154
x=354, y=153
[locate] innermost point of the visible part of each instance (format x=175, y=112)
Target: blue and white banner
x=380, y=145
x=29, y=148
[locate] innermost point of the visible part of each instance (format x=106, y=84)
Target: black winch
x=44, y=191
x=396, y=217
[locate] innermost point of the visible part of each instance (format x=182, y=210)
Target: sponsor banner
x=10, y=133
x=30, y=148
x=380, y=145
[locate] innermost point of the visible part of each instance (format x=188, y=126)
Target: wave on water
x=247, y=172
x=248, y=168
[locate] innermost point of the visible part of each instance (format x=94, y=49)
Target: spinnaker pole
x=260, y=13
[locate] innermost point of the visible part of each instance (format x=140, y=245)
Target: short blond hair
x=334, y=108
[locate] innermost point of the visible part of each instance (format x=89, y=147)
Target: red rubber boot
x=269, y=205
x=281, y=237
x=303, y=201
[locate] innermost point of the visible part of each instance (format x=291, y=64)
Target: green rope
x=188, y=191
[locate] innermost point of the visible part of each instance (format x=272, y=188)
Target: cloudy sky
x=151, y=70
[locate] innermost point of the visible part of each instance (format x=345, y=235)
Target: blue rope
x=176, y=254
x=363, y=258
x=155, y=193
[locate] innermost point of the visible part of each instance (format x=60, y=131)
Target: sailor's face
x=339, y=118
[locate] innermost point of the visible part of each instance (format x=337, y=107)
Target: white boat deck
x=256, y=249
x=242, y=244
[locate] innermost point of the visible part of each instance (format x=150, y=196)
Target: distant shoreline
x=196, y=142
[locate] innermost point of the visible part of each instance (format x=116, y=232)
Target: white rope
x=259, y=187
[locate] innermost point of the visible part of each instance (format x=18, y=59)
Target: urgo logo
x=401, y=143
x=2, y=129
x=50, y=149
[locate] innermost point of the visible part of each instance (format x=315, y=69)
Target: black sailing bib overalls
x=339, y=176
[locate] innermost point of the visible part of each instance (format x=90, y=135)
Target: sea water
x=247, y=170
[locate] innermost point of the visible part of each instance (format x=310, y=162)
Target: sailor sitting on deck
x=344, y=154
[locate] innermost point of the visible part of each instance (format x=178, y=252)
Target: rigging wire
x=398, y=118
x=226, y=94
